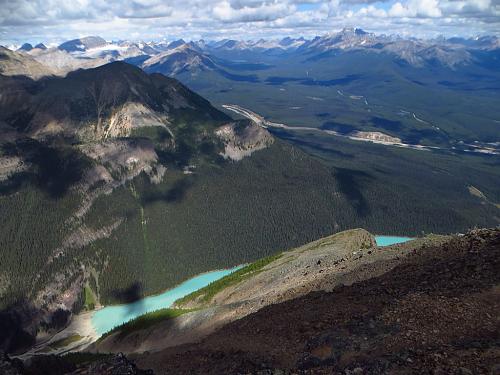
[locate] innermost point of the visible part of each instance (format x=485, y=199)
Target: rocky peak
x=107, y=101
x=82, y=44
x=26, y=47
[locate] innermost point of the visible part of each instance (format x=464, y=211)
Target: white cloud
x=251, y=12
x=56, y=20
x=372, y=11
x=416, y=8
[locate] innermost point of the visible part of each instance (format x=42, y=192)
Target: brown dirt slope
x=435, y=313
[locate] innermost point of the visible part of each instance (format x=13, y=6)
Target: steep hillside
x=434, y=309
x=17, y=64
x=114, y=99
x=341, y=259
x=66, y=144
x=62, y=62
x=191, y=63
x=335, y=306
x=178, y=60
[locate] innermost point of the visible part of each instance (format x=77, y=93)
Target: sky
x=54, y=21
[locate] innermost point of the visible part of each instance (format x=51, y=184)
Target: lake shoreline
x=112, y=316
x=168, y=289
x=84, y=324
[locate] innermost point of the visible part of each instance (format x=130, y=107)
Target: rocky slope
x=55, y=365
x=18, y=64
x=434, y=310
x=61, y=62
x=426, y=306
x=242, y=139
x=181, y=59
x=343, y=258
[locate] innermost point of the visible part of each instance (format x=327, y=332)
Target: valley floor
x=364, y=136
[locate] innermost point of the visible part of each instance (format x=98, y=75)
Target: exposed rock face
x=128, y=156
x=132, y=116
x=10, y=166
x=241, y=140
x=178, y=60
x=61, y=62
x=83, y=236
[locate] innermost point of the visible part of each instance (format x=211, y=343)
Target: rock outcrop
x=115, y=365
x=243, y=139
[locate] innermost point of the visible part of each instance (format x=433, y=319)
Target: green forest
x=229, y=213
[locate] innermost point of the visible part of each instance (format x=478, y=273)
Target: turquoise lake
x=390, y=240
x=107, y=318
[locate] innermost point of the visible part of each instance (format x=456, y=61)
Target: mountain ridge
x=451, y=52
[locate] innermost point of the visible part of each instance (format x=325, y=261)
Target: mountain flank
x=433, y=310
x=18, y=64
x=426, y=305
x=114, y=98
x=341, y=259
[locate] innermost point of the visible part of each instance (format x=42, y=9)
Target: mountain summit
x=82, y=44
x=104, y=97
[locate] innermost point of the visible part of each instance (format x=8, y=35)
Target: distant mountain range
x=450, y=52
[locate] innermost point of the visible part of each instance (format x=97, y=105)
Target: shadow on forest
x=175, y=194
x=350, y=183
x=13, y=320
x=308, y=144
x=278, y=80
x=53, y=169
x=131, y=295
x=343, y=129
x=383, y=123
